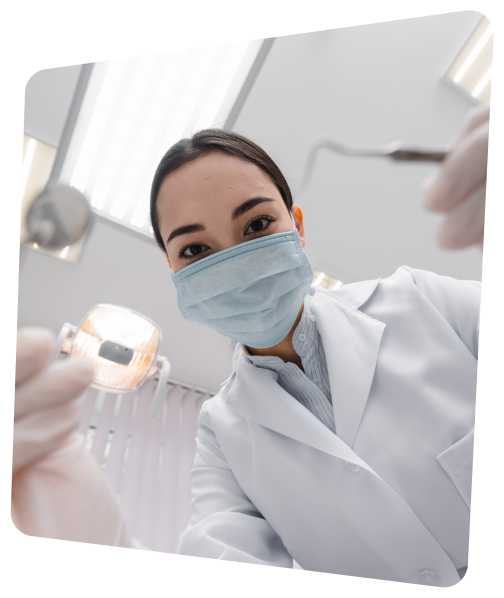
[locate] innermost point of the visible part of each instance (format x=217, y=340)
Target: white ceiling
x=370, y=84
x=366, y=84
x=48, y=96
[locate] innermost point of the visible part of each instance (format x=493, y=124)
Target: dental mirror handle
x=396, y=150
x=418, y=155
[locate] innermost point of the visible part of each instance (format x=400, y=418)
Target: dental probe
x=395, y=150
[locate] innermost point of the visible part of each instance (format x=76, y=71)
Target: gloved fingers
x=34, y=350
x=464, y=225
x=42, y=431
x=461, y=173
x=61, y=382
x=475, y=118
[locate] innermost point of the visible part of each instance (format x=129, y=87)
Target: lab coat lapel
x=351, y=342
x=255, y=394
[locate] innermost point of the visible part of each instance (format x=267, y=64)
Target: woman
x=333, y=442
x=343, y=438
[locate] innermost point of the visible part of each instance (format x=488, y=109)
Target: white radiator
x=147, y=460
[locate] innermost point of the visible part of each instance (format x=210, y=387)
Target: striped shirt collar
x=310, y=387
x=303, y=341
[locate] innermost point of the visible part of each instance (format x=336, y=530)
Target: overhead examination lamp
x=60, y=215
x=122, y=345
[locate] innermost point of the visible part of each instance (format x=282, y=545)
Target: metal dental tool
x=395, y=150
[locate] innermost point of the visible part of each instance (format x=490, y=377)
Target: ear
x=169, y=263
x=297, y=213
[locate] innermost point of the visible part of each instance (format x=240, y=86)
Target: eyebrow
x=248, y=205
x=239, y=211
x=185, y=230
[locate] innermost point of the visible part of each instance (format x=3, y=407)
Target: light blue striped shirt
x=311, y=387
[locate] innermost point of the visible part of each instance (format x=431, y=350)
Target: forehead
x=214, y=178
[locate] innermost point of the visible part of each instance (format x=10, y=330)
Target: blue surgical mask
x=251, y=292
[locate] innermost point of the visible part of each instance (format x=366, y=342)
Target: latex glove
x=458, y=188
x=44, y=412
x=66, y=497
x=58, y=490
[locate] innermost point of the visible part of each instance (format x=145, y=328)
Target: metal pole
x=73, y=113
x=248, y=83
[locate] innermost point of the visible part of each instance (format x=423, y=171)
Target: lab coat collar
x=351, y=342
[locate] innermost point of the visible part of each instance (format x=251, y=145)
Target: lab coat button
x=353, y=467
x=429, y=577
x=302, y=337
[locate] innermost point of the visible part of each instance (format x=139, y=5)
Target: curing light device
x=122, y=345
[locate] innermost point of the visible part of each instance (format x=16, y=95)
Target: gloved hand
x=58, y=489
x=44, y=412
x=458, y=188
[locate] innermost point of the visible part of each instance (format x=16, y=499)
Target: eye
x=259, y=225
x=192, y=250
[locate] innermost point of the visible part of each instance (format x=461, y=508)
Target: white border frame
x=32, y=40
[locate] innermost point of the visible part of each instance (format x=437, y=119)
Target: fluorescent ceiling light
x=471, y=70
x=136, y=109
x=324, y=280
x=483, y=83
x=472, y=56
x=27, y=162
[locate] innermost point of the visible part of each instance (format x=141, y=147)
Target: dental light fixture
x=471, y=71
x=54, y=218
x=122, y=345
x=37, y=164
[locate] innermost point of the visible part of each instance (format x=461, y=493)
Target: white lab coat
x=388, y=496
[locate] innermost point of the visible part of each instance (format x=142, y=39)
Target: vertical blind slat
x=166, y=538
x=130, y=493
x=149, y=460
x=103, y=426
x=115, y=462
x=87, y=410
x=147, y=509
x=186, y=460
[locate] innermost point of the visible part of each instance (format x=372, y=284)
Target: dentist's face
x=218, y=201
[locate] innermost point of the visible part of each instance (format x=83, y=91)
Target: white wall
x=370, y=84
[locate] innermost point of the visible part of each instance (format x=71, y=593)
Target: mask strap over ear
x=292, y=217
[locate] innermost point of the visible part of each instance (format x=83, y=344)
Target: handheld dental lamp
x=122, y=345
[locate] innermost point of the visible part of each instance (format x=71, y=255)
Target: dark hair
x=206, y=141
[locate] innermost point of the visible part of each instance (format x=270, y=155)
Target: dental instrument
x=396, y=150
